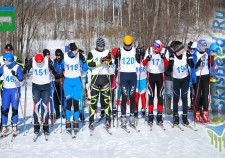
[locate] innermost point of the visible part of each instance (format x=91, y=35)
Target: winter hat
x=127, y=40
x=157, y=46
x=46, y=52
x=39, y=58
x=9, y=47
x=100, y=42
x=201, y=43
x=73, y=46
x=177, y=46
x=8, y=57
x=58, y=52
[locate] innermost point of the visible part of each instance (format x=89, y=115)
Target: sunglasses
x=205, y=45
x=7, y=59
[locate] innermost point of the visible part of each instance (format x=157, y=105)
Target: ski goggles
x=8, y=59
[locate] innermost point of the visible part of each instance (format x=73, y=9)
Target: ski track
x=171, y=143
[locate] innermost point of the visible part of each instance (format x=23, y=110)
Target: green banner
x=7, y=19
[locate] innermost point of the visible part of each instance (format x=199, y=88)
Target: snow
x=145, y=144
x=157, y=143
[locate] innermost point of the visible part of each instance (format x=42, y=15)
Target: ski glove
x=163, y=55
x=149, y=57
x=82, y=58
x=14, y=73
x=189, y=56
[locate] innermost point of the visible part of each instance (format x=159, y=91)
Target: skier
x=12, y=74
x=179, y=61
x=41, y=88
x=59, y=67
x=98, y=60
x=156, y=59
x=200, y=76
x=46, y=53
x=73, y=61
x=128, y=56
x=141, y=84
x=9, y=49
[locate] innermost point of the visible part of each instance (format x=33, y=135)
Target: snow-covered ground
x=157, y=143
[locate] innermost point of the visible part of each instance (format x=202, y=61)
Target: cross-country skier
x=12, y=74
x=128, y=56
x=73, y=62
x=59, y=67
x=41, y=88
x=156, y=59
x=9, y=49
x=179, y=61
x=200, y=78
x=98, y=60
x=141, y=84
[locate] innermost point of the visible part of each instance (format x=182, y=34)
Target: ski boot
x=68, y=127
x=46, y=128
x=150, y=117
x=132, y=120
x=159, y=118
x=175, y=119
x=4, y=131
x=143, y=112
x=14, y=129
x=136, y=113
x=123, y=121
x=185, y=119
x=198, y=117
x=206, y=116
x=108, y=122
x=76, y=126
x=36, y=127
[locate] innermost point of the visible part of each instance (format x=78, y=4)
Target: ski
x=151, y=126
x=191, y=127
x=35, y=137
x=108, y=130
x=135, y=128
x=13, y=137
x=161, y=125
x=46, y=137
x=2, y=136
x=125, y=128
x=91, y=132
x=74, y=135
x=179, y=127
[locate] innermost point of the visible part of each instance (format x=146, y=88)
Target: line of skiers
x=137, y=72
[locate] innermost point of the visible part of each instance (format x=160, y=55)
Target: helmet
x=39, y=58
x=8, y=57
x=100, y=42
x=127, y=40
x=73, y=46
x=58, y=52
x=9, y=47
x=114, y=51
x=157, y=46
x=46, y=52
x=201, y=43
x=214, y=47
